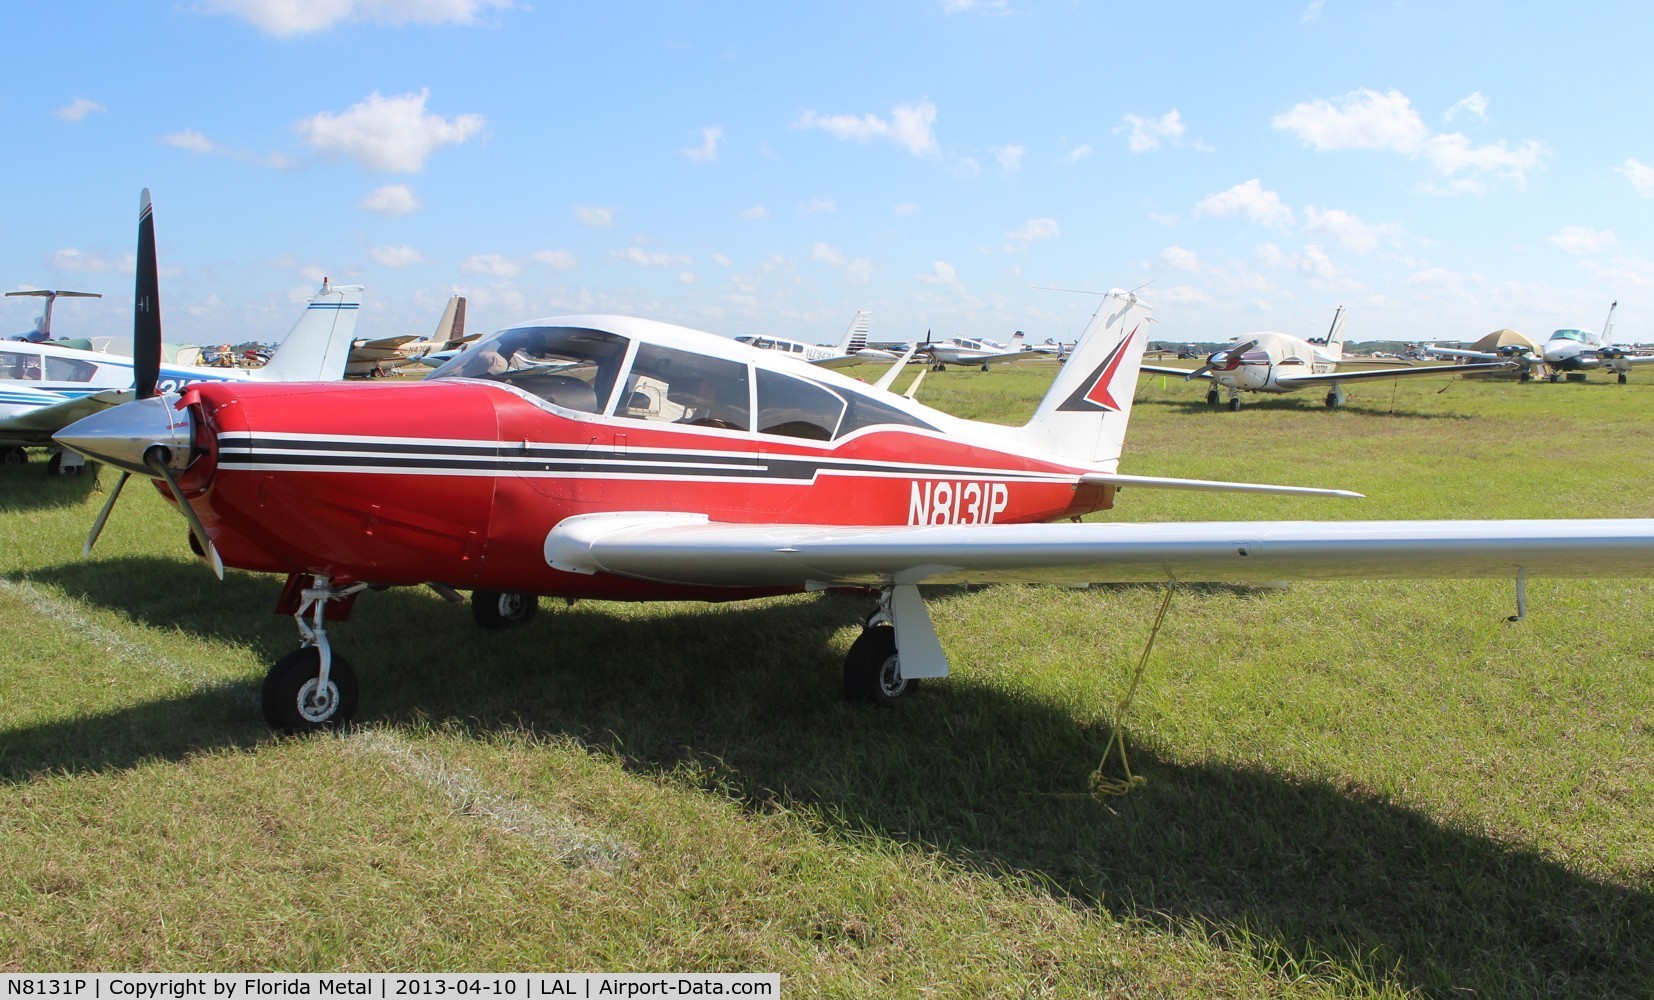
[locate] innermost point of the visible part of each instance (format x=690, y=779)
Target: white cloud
x=1366, y=119
x=391, y=200
x=1580, y=240
x=1312, y=261
x=594, y=216
x=816, y=206
x=1182, y=294
x=1313, y=11
x=397, y=256
x=909, y=126
x=652, y=258
x=1034, y=230
x=1472, y=104
x=1077, y=154
x=393, y=134
x=755, y=212
x=79, y=108
x=1640, y=175
x=722, y=260
x=984, y=6
x=942, y=273
x=193, y=141
x=1145, y=134
x=686, y=277
x=71, y=259
x=1251, y=200
x=557, y=260
x=906, y=208
x=1346, y=228
x=1177, y=258
x=490, y=263
x=825, y=253
x=1009, y=157
x=285, y=18
x=707, y=151
x=859, y=271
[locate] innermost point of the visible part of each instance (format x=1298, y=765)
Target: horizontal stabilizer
x=1160, y=482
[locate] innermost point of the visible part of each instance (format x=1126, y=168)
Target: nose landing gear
x=312, y=689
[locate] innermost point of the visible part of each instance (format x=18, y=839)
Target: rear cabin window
x=20, y=365
x=793, y=407
x=69, y=370
x=571, y=367
x=677, y=387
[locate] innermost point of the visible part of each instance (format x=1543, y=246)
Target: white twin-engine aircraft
x=1280, y=362
x=851, y=348
x=1570, y=351
x=44, y=387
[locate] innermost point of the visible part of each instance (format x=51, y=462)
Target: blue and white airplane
x=43, y=323
x=45, y=387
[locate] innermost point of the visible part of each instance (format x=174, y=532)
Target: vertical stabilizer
x=318, y=346
x=1082, y=418
x=1335, y=332
x=454, y=313
x=855, y=338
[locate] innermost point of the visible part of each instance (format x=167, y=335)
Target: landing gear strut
x=873, y=668
x=312, y=688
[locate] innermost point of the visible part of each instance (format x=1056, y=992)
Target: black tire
x=1212, y=397
x=1234, y=405
x=14, y=456
x=984, y=367
x=1622, y=378
x=872, y=669
x=502, y=609
x=290, y=687
x=55, y=466
x=1332, y=400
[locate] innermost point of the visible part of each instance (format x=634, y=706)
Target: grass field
x=1352, y=789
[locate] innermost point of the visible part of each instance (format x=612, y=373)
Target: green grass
x=1353, y=789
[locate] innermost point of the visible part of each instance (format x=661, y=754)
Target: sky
x=1442, y=169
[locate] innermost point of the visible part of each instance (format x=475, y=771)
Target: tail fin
x=1335, y=333
x=1016, y=341
x=1082, y=418
x=318, y=346
x=855, y=338
x=452, y=324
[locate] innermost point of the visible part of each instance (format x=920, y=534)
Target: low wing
x=994, y=359
x=690, y=549
x=1290, y=381
x=1179, y=372
x=1454, y=352
x=41, y=423
x=838, y=361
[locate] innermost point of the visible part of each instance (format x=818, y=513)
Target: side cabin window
x=793, y=407
x=20, y=365
x=570, y=367
x=69, y=370
x=672, y=386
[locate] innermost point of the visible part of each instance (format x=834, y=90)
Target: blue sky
x=1442, y=169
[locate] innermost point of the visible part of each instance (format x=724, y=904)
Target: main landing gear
x=1212, y=396
x=874, y=669
x=1336, y=397
x=312, y=688
x=495, y=609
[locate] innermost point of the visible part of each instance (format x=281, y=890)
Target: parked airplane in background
x=1568, y=351
x=851, y=349
x=979, y=351
x=1280, y=362
x=45, y=387
x=43, y=323
x=661, y=463
x=373, y=358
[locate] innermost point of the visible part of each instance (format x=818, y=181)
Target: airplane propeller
x=146, y=373
x=1231, y=360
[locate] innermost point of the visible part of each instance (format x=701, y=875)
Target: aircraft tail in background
x=318, y=346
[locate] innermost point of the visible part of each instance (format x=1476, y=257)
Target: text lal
x=956, y=502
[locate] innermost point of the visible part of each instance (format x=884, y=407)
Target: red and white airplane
x=618, y=458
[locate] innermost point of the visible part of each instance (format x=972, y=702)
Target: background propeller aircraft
x=47, y=386
x=626, y=459
x=980, y=351
x=373, y=358
x=1280, y=362
x=43, y=323
x=1567, y=351
x=851, y=349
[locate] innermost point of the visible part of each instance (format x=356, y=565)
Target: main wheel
x=295, y=703
x=14, y=456
x=55, y=466
x=984, y=367
x=1212, y=397
x=502, y=609
x=1622, y=378
x=1234, y=405
x=873, y=669
x=1332, y=400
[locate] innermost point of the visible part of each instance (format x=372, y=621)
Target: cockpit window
x=1579, y=336
x=571, y=367
x=69, y=370
x=673, y=386
x=20, y=365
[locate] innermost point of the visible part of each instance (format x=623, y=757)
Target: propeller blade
x=146, y=306
x=103, y=515
x=157, y=462
x=1198, y=372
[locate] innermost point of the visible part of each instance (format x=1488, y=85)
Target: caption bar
x=385, y=985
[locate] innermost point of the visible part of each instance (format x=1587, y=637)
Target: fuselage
x=459, y=479
x=1261, y=359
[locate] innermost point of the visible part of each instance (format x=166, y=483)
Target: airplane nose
x=123, y=435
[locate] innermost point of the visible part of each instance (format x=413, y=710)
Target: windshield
x=1579, y=336
x=571, y=367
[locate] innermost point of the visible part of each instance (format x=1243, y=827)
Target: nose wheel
x=296, y=698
